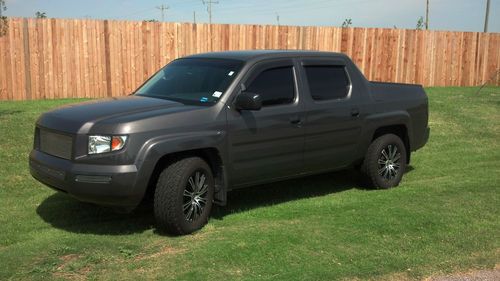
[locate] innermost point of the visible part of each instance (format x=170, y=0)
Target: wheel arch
x=400, y=130
x=395, y=122
x=211, y=155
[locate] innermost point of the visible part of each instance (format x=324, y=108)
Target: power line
x=290, y=8
x=209, y=8
x=293, y=4
x=182, y=2
x=138, y=12
x=162, y=8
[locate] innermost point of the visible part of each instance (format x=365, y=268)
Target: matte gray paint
x=275, y=143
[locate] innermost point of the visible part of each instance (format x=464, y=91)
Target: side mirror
x=248, y=101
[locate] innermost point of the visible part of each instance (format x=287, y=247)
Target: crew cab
x=210, y=123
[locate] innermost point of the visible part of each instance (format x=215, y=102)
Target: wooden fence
x=59, y=58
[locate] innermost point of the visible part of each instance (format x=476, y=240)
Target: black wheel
x=385, y=161
x=183, y=196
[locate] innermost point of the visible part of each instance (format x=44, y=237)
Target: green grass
x=444, y=217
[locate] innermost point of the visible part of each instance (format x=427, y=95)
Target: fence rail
x=61, y=58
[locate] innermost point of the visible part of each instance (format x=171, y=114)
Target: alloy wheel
x=389, y=162
x=195, y=196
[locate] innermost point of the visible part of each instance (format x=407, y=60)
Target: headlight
x=102, y=144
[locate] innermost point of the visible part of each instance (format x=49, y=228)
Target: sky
x=457, y=15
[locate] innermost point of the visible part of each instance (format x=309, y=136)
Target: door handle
x=355, y=112
x=295, y=120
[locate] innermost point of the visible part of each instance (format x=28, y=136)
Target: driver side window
x=275, y=86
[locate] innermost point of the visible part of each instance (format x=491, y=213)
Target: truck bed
x=410, y=98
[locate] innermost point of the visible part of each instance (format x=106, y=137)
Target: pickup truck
x=210, y=123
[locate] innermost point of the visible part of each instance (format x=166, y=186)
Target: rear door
x=333, y=125
x=268, y=144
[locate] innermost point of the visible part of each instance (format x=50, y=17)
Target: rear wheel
x=183, y=196
x=385, y=161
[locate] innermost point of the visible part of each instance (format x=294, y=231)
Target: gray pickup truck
x=210, y=123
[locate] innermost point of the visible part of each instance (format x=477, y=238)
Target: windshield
x=192, y=81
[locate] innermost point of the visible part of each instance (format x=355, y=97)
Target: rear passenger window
x=275, y=86
x=327, y=82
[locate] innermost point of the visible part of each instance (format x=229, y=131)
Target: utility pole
x=278, y=18
x=427, y=16
x=194, y=17
x=209, y=8
x=162, y=8
x=487, y=16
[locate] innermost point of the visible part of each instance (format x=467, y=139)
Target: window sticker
x=230, y=73
x=217, y=94
x=203, y=99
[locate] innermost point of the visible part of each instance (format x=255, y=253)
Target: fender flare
x=154, y=149
x=386, y=119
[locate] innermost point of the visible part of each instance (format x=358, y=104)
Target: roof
x=261, y=54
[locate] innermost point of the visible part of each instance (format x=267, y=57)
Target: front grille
x=55, y=144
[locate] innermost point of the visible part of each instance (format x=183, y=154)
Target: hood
x=79, y=118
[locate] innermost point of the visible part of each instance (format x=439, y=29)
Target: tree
x=152, y=20
x=3, y=19
x=347, y=23
x=41, y=15
x=420, y=23
x=2, y=7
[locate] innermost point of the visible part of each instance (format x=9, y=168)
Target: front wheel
x=183, y=196
x=385, y=161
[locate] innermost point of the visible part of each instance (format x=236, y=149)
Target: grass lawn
x=444, y=217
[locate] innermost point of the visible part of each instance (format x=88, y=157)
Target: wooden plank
x=63, y=38
x=420, y=59
x=369, y=56
x=48, y=59
x=15, y=38
x=4, y=94
x=131, y=56
x=54, y=64
x=107, y=58
x=492, y=68
x=27, y=66
x=102, y=61
x=122, y=59
x=92, y=64
x=406, y=40
x=76, y=59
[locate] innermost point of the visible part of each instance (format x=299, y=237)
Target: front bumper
x=116, y=185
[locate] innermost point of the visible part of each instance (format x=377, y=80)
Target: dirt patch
x=65, y=260
x=478, y=275
x=77, y=276
x=164, y=251
x=62, y=270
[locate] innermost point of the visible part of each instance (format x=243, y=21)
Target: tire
x=183, y=200
x=385, y=161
